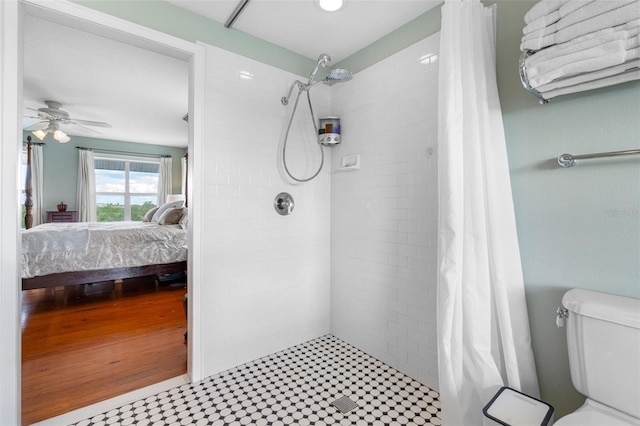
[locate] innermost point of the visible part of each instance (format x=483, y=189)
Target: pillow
x=148, y=215
x=166, y=206
x=184, y=220
x=170, y=216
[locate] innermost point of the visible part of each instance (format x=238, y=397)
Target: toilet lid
x=595, y=414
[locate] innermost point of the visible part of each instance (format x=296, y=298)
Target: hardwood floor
x=98, y=345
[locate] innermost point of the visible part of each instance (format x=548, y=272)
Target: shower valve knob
x=283, y=203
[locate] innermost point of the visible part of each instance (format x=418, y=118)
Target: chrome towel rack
x=524, y=79
x=568, y=160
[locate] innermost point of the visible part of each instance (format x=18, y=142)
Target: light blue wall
x=577, y=227
x=60, y=164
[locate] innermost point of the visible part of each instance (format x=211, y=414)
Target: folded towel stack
x=576, y=45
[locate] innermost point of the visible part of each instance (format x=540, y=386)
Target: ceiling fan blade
x=90, y=123
x=73, y=123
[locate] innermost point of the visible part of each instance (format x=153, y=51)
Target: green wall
x=578, y=227
x=60, y=164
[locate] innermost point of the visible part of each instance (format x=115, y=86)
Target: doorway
x=77, y=16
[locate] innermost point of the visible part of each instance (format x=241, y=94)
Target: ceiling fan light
x=40, y=134
x=61, y=136
x=330, y=5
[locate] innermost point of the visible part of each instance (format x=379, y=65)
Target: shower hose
x=286, y=137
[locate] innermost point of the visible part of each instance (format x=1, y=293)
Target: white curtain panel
x=37, y=184
x=86, y=199
x=165, y=179
x=183, y=168
x=484, y=340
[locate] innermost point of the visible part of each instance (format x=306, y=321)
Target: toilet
x=603, y=337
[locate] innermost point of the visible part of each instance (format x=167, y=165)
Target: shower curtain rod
x=235, y=13
x=568, y=160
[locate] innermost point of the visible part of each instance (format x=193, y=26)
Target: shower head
x=323, y=61
x=338, y=76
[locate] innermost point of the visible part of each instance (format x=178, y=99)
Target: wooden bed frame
x=98, y=275
x=92, y=276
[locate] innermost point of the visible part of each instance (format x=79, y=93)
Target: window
x=126, y=187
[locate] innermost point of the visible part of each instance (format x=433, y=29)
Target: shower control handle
x=283, y=203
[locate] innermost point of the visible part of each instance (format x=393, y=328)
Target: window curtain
x=165, y=180
x=483, y=328
x=183, y=169
x=86, y=186
x=37, y=183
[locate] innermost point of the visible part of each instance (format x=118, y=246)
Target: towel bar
x=568, y=160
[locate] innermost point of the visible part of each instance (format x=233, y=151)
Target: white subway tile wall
x=267, y=284
x=384, y=216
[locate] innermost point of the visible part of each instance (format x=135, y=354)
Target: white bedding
x=63, y=247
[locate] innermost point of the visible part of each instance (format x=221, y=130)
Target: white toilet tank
x=603, y=335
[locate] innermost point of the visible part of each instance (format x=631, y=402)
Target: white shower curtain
x=86, y=186
x=483, y=330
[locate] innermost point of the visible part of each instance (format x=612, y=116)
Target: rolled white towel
x=553, y=16
x=589, y=10
x=572, y=5
x=620, y=32
x=541, y=23
x=593, y=84
x=543, y=7
x=592, y=9
x=595, y=75
x=604, y=56
x=608, y=19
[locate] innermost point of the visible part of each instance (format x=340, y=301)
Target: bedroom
x=577, y=227
x=148, y=129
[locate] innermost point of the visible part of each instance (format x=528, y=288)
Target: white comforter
x=64, y=247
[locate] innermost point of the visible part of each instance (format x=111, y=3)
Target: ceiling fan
x=52, y=118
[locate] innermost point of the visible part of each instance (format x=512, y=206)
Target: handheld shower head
x=323, y=61
x=334, y=76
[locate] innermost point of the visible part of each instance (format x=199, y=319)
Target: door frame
x=11, y=106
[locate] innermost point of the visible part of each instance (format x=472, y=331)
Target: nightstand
x=67, y=216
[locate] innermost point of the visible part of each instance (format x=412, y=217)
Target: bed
x=55, y=254
x=62, y=254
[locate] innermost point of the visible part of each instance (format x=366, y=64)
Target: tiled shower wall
x=266, y=283
x=384, y=216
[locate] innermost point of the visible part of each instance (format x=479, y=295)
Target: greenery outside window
x=126, y=187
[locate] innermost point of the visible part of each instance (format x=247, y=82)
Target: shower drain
x=344, y=404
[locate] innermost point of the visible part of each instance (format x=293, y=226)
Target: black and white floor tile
x=296, y=386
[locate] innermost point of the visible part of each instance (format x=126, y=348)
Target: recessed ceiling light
x=330, y=5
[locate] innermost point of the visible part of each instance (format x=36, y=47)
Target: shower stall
x=356, y=257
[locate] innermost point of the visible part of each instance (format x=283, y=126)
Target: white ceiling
x=143, y=94
x=302, y=27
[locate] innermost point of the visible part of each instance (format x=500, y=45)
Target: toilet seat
x=595, y=414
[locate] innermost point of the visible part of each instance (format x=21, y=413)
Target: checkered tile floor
x=294, y=387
